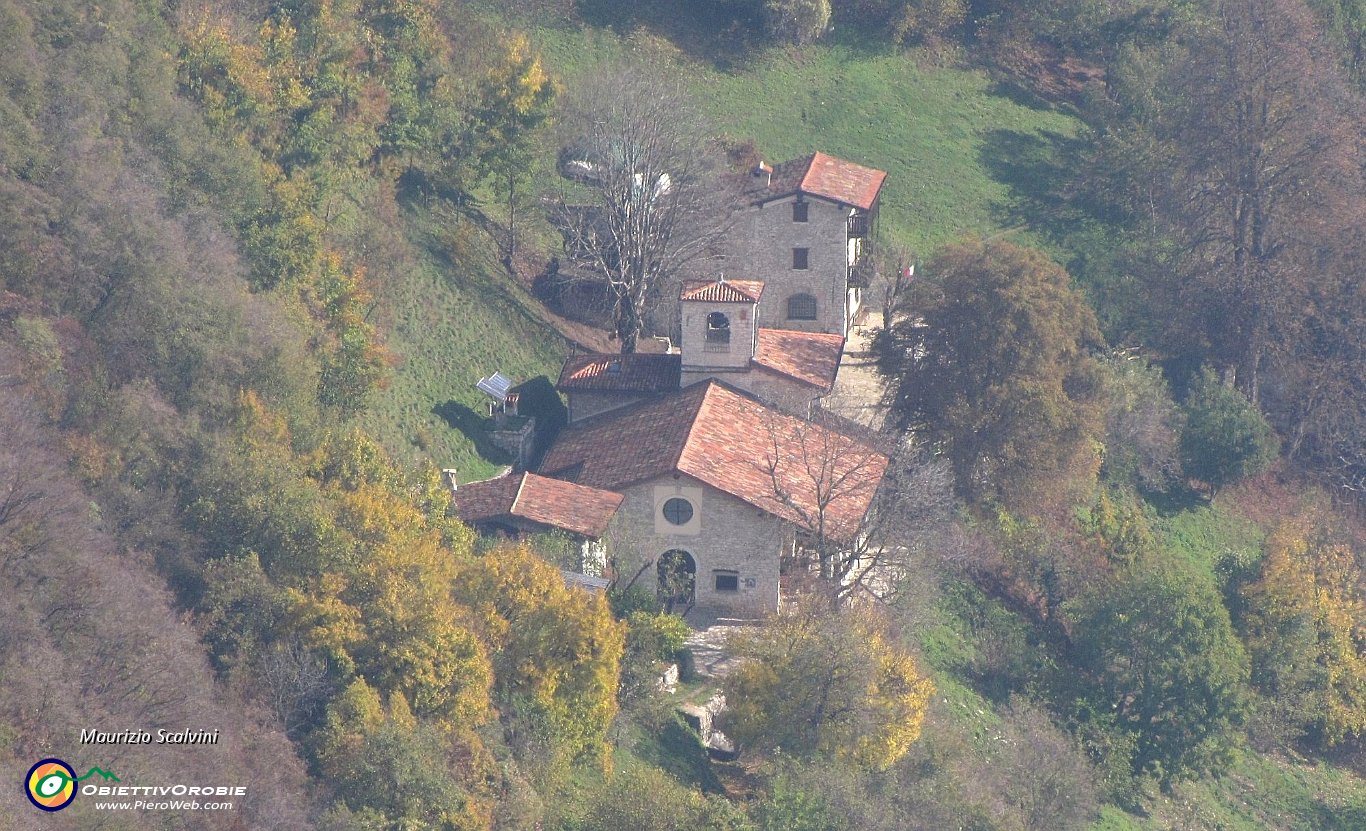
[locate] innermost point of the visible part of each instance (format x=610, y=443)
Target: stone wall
x=772, y=388
x=727, y=536
x=761, y=249
x=732, y=354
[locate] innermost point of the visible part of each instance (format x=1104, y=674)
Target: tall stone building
x=803, y=228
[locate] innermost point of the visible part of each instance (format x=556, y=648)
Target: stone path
x=708, y=641
x=858, y=387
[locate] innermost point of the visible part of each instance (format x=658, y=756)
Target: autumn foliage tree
x=1304, y=622
x=823, y=683
x=392, y=771
x=514, y=102
x=995, y=362
x=1266, y=161
x=557, y=649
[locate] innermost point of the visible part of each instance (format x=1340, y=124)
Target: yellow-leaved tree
x=415, y=638
x=392, y=771
x=556, y=649
x=836, y=684
x=1305, y=627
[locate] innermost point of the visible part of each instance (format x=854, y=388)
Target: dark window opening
x=799, y=211
x=800, y=258
x=727, y=581
x=718, y=328
x=801, y=307
x=678, y=511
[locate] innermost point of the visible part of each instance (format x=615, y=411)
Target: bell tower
x=720, y=324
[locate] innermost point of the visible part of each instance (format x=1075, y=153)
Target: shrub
x=796, y=21
x=1225, y=438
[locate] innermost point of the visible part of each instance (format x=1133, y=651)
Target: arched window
x=718, y=328
x=801, y=307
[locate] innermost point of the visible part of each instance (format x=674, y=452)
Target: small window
x=799, y=211
x=801, y=307
x=718, y=328
x=727, y=581
x=678, y=511
x=799, y=258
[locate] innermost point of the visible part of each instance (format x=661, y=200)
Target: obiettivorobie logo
x=51, y=783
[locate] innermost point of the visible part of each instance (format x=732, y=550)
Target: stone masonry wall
x=726, y=534
x=761, y=249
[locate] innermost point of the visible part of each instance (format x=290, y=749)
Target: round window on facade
x=678, y=511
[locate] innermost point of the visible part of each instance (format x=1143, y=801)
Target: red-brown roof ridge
x=554, y=502
x=723, y=291
x=842, y=181
x=731, y=441
x=610, y=372
x=818, y=174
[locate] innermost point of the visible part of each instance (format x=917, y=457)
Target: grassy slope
x=453, y=316
x=950, y=145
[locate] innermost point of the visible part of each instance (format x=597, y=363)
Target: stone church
x=699, y=470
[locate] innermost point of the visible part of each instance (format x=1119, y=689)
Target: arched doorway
x=677, y=578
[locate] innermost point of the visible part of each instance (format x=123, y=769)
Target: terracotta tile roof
x=621, y=373
x=720, y=436
x=818, y=175
x=625, y=446
x=723, y=291
x=810, y=357
x=852, y=184
x=553, y=502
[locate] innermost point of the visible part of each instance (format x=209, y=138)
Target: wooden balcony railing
x=858, y=226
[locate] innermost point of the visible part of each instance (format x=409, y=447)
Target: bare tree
x=296, y=684
x=865, y=505
x=1265, y=156
x=895, y=268
x=641, y=148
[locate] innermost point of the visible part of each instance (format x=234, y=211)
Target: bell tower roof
x=722, y=290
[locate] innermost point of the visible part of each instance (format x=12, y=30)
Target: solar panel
x=496, y=386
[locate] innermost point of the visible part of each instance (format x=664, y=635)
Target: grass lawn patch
x=1203, y=535
x=961, y=156
x=454, y=317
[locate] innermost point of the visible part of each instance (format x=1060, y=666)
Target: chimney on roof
x=451, y=477
x=765, y=170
